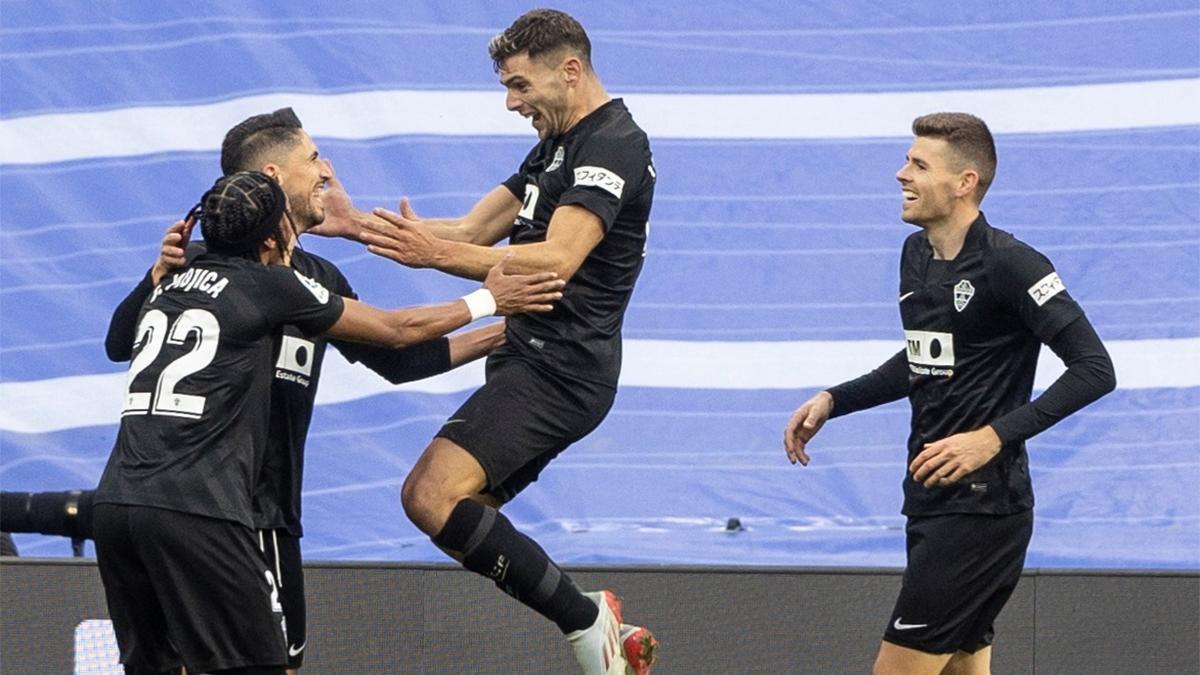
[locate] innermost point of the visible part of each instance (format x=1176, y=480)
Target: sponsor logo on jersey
x=295, y=362
x=530, y=202
x=930, y=353
x=1047, y=287
x=963, y=292
x=319, y=292
x=595, y=176
x=560, y=153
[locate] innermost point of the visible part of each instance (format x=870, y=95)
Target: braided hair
x=240, y=212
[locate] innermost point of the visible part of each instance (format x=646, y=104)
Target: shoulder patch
x=1045, y=288
x=594, y=176
x=319, y=292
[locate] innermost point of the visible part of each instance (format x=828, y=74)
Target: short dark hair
x=248, y=144
x=541, y=32
x=969, y=138
x=240, y=212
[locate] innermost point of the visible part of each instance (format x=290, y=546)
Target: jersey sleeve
x=1028, y=285
x=608, y=172
x=289, y=297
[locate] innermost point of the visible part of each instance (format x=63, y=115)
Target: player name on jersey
x=194, y=279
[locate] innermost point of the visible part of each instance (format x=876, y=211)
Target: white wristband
x=480, y=303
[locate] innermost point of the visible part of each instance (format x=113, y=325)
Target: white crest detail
x=319, y=292
x=560, y=153
x=1047, y=287
x=963, y=292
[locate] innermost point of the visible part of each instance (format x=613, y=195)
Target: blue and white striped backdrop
x=772, y=268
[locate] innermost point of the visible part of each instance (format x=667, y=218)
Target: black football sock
x=491, y=546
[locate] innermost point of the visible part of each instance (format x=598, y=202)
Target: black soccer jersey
x=973, y=329
x=298, y=361
x=604, y=165
x=194, y=423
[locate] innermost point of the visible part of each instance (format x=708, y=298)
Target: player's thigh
x=894, y=659
x=966, y=663
x=521, y=419
x=133, y=603
x=219, y=597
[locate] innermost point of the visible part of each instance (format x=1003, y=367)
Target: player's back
x=194, y=420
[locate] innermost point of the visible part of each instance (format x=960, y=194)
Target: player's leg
x=966, y=663
x=517, y=421
x=133, y=605
x=282, y=553
x=221, y=605
x=896, y=660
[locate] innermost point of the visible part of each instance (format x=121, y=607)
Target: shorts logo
x=927, y=348
x=295, y=651
x=907, y=626
x=296, y=355
x=319, y=292
x=963, y=292
x=594, y=176
x=560, y=153
x=1047, y=287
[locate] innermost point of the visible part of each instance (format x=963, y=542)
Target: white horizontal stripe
x=126, y=132
x=43, y=406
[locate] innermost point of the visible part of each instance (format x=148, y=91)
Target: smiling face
x=539, y=91
x=303, y=174
x=933, y=183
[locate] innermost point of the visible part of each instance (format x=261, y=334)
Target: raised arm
x=118, y=342
x=425, y=359
x=502, y=294
x=573, y=232
x=489, y=221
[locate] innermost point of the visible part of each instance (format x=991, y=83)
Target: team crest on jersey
x=560, y=153
x=963, y=292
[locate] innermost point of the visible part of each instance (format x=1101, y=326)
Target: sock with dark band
x=491, y=546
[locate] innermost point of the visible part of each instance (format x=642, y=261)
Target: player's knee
x=425, y=504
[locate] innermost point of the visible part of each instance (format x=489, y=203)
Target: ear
x=572, y=69
x=968, y=180
x=271, y=169
x=267, y=251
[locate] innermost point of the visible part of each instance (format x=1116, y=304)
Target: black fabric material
x=1089, y=376
x=887, y=383
x=962, y=569
x=521, y=419
x=298, y=364
x=602, y=164
x=186, y=590
x=281, y=550
x=194, y=424
x=515, y=563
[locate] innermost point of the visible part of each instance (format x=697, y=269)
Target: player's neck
x=946, y=236
x=590, y=96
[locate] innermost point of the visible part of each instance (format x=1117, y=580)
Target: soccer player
x=183, y=575
x=277, y=145
x=976, y=304
x=578, y=205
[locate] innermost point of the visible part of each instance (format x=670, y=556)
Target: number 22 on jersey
x=152, y=333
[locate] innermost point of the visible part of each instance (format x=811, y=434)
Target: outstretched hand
x=804, y=424
x=401, y=237
x=341, y=218
x=945, y=462
x=173, y=253
x=516, y=293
